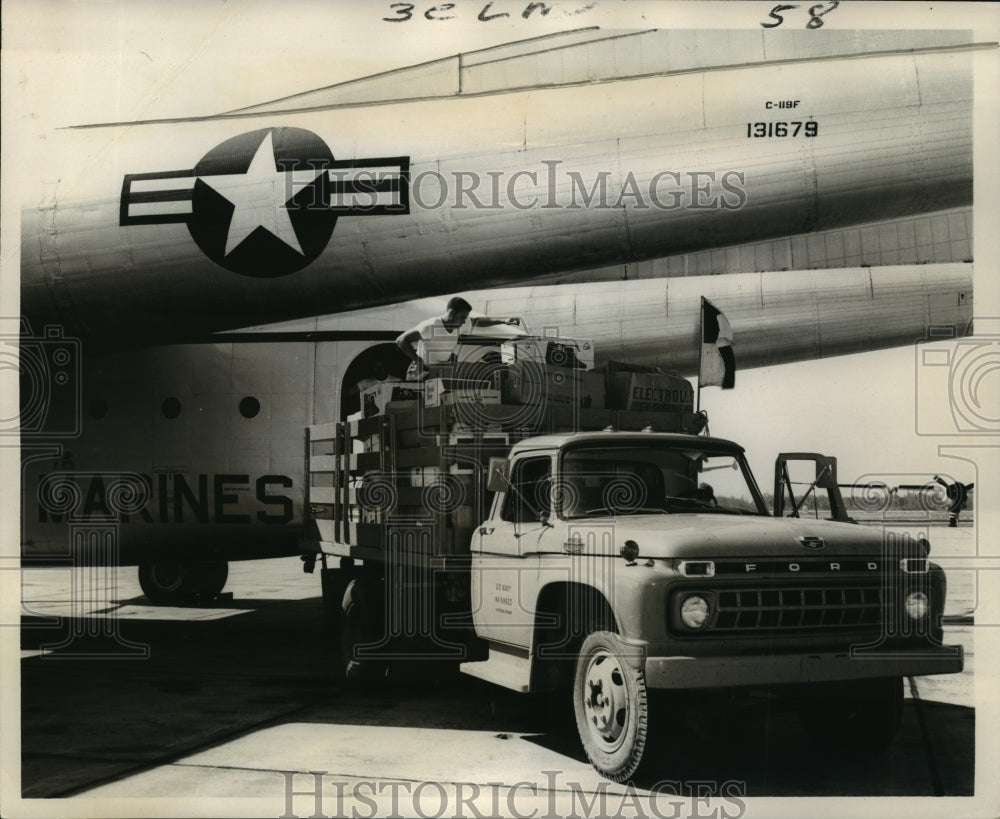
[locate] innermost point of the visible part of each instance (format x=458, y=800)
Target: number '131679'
x=782, y=129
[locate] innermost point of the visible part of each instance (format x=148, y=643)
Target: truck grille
x=798, y=608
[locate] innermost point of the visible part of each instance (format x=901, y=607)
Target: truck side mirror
x=497, y=478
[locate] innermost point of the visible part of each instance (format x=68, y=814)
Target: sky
x=97, y=61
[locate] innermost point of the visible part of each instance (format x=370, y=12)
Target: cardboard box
x=473, y=350
x=569, y=353
x=488, y=375
x=424, y=475
x=529, y=383
x=559, y=387
x=374, y=399
x=436, y=387
x=442, y=392
x=471, y=398
x=636, y=420
x=650, y=392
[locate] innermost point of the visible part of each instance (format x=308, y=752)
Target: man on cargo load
x=434, y=342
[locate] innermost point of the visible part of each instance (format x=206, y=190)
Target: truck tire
x=861, y=715
x=360, y=624
x=611, y=706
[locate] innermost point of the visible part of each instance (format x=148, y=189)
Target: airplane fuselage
x=182, y=227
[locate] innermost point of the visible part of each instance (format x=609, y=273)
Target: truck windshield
x=655, y=478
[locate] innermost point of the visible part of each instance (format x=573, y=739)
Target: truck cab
x=616, y=563
x=612, y=566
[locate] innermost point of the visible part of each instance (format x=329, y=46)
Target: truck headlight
x=917, y=605
x=695, y=611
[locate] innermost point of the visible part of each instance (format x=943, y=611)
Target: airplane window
x=170, y=407
x=98, y=408
x=249, y=407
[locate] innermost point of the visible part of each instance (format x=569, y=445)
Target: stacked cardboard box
x=650, y=392
x=551, y=372
x=441, y=392
x=375, y=400
x=542, y=372
x=544, y=384
x=570, y=353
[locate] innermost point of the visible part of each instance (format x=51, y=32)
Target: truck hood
x=720, y=535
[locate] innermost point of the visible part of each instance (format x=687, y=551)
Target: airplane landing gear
x=170, y=583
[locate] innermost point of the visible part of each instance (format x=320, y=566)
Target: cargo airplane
x=156, y=429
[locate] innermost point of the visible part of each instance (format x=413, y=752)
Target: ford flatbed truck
x=588, y=553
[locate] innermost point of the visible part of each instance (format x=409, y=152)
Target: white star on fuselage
x=259, y=199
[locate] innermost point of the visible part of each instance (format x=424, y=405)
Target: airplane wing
x=593, y=55
x=778, y=317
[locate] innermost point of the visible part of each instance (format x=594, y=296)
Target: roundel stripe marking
x=265, y=203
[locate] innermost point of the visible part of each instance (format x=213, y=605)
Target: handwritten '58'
x=815, y=14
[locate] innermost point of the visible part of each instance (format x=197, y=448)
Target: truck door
x=505, y=557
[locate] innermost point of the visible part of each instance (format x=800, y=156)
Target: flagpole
x=701, y=353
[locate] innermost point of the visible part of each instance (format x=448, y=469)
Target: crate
x=650, y=392
x=367, y=500
x=375, y=399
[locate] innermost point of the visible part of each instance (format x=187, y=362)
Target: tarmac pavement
x=237, y=702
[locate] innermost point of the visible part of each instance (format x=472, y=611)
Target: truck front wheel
x=856, y=715
x=611, y=706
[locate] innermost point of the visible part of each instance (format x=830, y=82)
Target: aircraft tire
x=166, y=582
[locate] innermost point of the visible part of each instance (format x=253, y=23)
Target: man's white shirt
x=437, y=344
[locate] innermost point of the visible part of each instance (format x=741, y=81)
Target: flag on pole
x=718, y=363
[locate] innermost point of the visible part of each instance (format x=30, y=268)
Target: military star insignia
x=259, y=197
